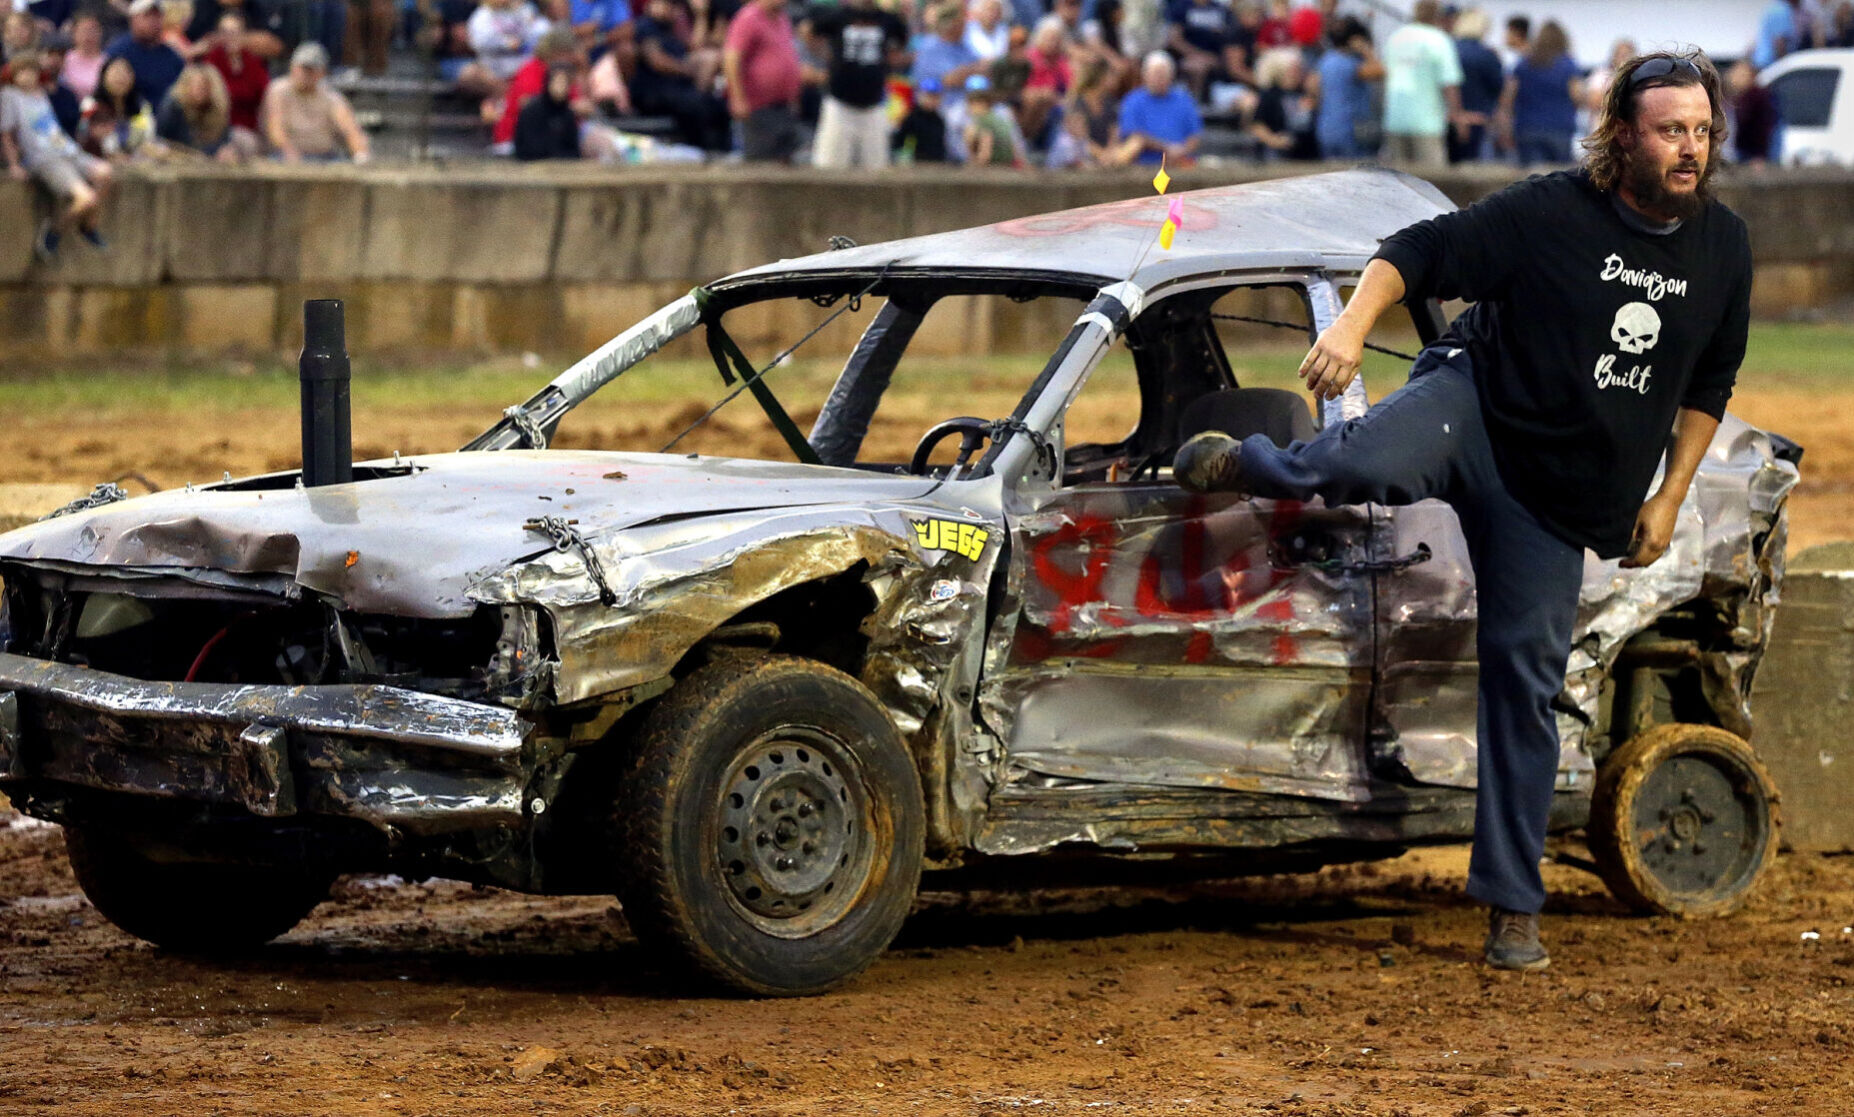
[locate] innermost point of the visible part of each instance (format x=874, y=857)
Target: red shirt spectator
x=246, y=77
x=1049, y=70
x=769, y=69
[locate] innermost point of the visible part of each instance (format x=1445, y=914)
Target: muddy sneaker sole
x=1209, y=463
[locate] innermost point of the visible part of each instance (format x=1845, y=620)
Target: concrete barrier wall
x=557, y=259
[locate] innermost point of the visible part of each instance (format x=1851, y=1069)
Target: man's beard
x=1648, y=182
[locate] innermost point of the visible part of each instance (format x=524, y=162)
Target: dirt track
x=1349, y=993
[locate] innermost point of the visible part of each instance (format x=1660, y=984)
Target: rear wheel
x=1683, y=821
x=189, y=906
x=771, y=827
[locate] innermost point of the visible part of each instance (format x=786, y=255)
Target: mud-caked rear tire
x=770, y=827
x=190, y=907
x=1683, y=821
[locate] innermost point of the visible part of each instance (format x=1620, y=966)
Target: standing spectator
x=117, y=122
x=306, y=120
x=32, y=144
x=1596, y=83
x=547, y=126
x=1160, y=114
x=1538, y=110
x=1482, y=82
x=1050, y=77
x=1422, y=90
x=664, y=83
x=65, y=103
x=861, y=44
x=990, y=139
x=1274, y=31
x=558, y=46
x=944, y=57
x=1282, y=120
x=987, y=32
x=1202, y=35
x=921, y=135
x=1755, y=122
x=197, y=116
x=244, y=73
x=369, y=47
x=503, y=34
x=84, y=61
x=764, y=80
x=1778, y=33
x=156, y=65
x=1341, y=87
x=1518, y=36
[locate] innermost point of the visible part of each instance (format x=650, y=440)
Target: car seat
x=1240, y=412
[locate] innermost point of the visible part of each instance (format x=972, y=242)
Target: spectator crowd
x=842, y=83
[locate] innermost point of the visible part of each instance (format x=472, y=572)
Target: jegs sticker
x=963, y=539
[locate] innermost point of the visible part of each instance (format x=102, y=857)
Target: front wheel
x=190, y=906
x=1683, y=821
x=771, y=827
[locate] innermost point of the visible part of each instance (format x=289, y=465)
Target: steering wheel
x=974, y=433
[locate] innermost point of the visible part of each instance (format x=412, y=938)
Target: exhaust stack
x=328, y=440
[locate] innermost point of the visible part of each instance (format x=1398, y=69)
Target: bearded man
x=1610, y=307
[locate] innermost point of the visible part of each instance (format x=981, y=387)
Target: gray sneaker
x=1513, y=941
x=1209, y=463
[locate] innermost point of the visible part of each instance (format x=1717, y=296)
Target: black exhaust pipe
x=328, y=440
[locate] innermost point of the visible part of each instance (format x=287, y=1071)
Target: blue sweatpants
x=1427, y=439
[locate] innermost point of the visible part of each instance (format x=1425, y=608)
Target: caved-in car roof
x=1333, y=220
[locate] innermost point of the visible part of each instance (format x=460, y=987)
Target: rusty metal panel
x=1804, y=702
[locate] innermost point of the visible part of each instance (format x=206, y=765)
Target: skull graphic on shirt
x=1637, y=328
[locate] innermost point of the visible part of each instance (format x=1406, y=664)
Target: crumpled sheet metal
x=1426, y=709
x=1172, y=639
x=415, y=544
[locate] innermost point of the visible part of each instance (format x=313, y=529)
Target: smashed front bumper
x=392, y=757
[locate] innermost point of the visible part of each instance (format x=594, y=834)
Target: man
x=763, y=81
x=1606, y=301
x=1202, y=34
x=863, y=44
x=944, y=57
x=1482, y=80
x=1161, y=115
x=987, y=33
x=1422, y=90
x=157, y=66
x=307, y=121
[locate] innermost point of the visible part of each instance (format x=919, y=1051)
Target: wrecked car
x=757, y=699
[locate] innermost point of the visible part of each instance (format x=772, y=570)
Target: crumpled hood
x=413, y=544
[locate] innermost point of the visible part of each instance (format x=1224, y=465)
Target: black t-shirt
x=860, y=39
x=1209, y=26
x=927, y=129
x=647, y=84
x=1587, y=335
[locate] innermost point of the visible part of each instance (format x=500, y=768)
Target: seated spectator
x=944, y=56
x=548, y=126
x=601, y=27
x=176, y=16
x=987, y=32
x=1203, y=36
x=197, y=117
x=503, y=34
x=1009, y=73
x=665, y=85
x=117, y=123
x=1282, y=120
x=32, y=144
x=156, y=65
x=1275, y=31
x=990, y=140
x=84, y=61
x=260, y=23
x=921, y=135
x=1341, y=90
x=305, y=119
x=68, y=106
x=1107, y=37
x=52, y=15
x=244, y=73
x=557, y=48
x=1160, y=114
x=19, y=34
x=606, y=87
x=1049, y=79
x=1092, y=122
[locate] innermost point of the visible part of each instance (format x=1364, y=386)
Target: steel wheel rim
x=1700, y=823
x=793, y=838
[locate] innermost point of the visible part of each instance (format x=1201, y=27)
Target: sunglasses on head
x=1662, y=67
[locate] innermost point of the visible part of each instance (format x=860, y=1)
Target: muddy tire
x=1683, y=821
x=771, y=827
x=189, y=907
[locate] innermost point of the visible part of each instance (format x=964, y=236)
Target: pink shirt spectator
x=769, y=73
x=1049, y=71
x=80, y=73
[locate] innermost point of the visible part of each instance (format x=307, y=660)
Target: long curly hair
x=1606, y=158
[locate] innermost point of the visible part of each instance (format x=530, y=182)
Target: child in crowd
x=547, y=127
x=117, y=123
x=32, y=145
x=921, y=135
x=990, y=139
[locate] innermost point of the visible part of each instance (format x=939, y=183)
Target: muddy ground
x=1351, y=992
